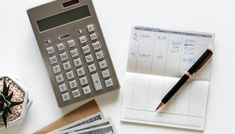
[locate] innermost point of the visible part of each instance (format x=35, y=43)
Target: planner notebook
x=157, y=59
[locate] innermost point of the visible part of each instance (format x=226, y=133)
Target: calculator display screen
x=63, y=18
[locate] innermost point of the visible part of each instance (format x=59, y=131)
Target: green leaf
x=5, y=88
x=5, y=117
x=1, y=105
x=15, y=104
x=9, y=110
x=2, y=98
x=9, y=97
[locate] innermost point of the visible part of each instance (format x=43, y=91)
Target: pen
x=195, y=67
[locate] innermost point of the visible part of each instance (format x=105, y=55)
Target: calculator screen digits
x=63, y=18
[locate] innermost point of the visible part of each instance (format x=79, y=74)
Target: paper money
x=92, y=125
x=92, y=118
x=108, y=129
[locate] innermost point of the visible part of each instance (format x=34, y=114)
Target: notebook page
x=167, y=52
x=144, y=92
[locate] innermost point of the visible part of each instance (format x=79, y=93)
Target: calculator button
x=86, y=49
x=74, y=52
x=106, y=73
x=109, y=82
x=50, y=50
x=66, y=65
x=80, y=71
x=93, y=36
x=71, y=43
x=102, y=64
x=83, y=81
x=96, y=45
x=62, y=87
x=65, y=97
x=86, y=90
x=92, y=67
x=76, y=93
x=99, y=55
x=56, y=69
x=77, y=62
x=59, y=78
x=89, y=58
x=82, y=39
x=73, y=84
x=70, y=75
x=91, y=28
x=53, y=60
x=63, y=56
x=96, y=81
x=60, y=47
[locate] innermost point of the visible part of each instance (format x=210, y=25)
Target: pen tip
x=159, y=106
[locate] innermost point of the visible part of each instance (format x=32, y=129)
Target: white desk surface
x=20, y=55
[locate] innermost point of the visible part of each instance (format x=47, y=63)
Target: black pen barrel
x=177, y=86
x=201, y=61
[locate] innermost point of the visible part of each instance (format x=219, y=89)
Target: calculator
x=74, y=50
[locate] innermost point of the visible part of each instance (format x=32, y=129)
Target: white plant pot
x=25, y=105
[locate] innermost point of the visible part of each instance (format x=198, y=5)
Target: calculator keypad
x=62, y=87
x=86, y=90
x=50, y=50
x=96, y=45
x=67, y=65
x=71, y=43
x=64, y=56
x=56, y=69
x=60, y=47
x=93, y=36
x=80, y=66
x=82, y=39
x=74, y=52
x=53, y=59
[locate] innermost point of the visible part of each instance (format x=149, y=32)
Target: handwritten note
x=164, y=52
x=157, y=59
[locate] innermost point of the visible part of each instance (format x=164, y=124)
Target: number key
x=66, y=65
x=80, y=71
x=65, y=97
x=59, y=78
x=96, y=45
x=56, y=69
x=71, y=43
x=76, y=93
x=89, y=58
x=77, y=62
x=99, y=55
x=74, y=52
x=73, y=84
x=50, y=50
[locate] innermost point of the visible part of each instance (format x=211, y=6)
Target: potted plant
x=14, y=102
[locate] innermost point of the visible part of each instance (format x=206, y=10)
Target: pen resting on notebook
x=195, y=67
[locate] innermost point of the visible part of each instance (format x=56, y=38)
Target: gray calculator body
x=74, y=50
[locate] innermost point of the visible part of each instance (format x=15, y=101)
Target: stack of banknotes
x=86, y=119
x=93, y=124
